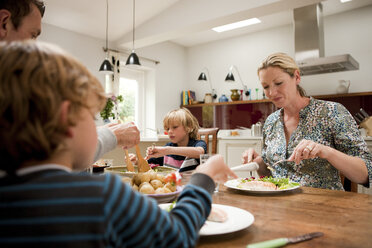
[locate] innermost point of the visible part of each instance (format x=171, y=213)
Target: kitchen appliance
x=309, y=44
x=257, y=129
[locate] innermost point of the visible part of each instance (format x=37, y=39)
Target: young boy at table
x=183, y=150
x=48, y=101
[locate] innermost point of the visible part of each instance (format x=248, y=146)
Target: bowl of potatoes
x=160, y=183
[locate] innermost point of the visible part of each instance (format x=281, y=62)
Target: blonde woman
x=184, y=150
x=312, y=140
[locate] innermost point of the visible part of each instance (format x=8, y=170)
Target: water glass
x=203, y=159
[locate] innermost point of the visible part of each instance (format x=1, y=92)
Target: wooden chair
x=205, y=133
x=349, y=185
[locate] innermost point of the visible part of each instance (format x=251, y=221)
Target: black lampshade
x=106, y=67
x=230, y=77
x=133, y=59
x=202, y=76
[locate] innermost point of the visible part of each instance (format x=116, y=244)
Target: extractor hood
x=309, y=44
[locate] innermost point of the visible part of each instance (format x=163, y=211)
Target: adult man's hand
x=127, y=134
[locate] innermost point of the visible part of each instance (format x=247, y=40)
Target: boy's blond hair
x=284, y=62
x=35, y=79
x=183, y=117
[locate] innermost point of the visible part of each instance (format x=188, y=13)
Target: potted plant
x=112, y=102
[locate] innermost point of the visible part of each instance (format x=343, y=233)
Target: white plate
x=232, y=184
x=237, y=219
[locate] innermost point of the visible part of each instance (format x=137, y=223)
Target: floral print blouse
x=324, y=122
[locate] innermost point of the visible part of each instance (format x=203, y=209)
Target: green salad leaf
x=171, y=206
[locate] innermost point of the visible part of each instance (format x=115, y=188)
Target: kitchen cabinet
x=231, y=115
x=232, y=148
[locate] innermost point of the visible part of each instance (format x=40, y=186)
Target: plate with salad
x=263, y=185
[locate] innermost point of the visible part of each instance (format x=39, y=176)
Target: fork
x=270, y=167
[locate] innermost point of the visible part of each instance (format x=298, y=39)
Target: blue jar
x=223, y=98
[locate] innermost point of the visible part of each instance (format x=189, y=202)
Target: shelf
x=345, y=95
x=225, y=103
x=267, y=100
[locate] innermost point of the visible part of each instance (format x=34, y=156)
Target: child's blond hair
x=35, y=79
x=184, y=117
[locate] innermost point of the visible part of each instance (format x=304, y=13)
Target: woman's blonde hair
x=285, y=62
x=184, y=117
x=35, y=79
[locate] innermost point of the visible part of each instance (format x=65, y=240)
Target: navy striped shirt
x=56, y=208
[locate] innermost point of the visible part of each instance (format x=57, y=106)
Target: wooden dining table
x=345, y=218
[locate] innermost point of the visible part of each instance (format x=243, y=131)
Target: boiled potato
x=156, y=183
x=142, y=184
x=153, y=174
x=160, y=177
x=167, y=190
x=162, y=190
x=171, y=186
x=136, y=180
x=145, y=177
x=147, y=189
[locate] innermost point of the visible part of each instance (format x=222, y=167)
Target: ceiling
x=185, y=22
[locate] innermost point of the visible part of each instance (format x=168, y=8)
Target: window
x=128, y=109
x=131, y=87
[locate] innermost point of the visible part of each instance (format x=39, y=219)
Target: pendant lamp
x=133, y=58
x=106, y=66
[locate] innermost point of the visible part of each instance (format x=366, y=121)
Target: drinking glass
x=203, y=159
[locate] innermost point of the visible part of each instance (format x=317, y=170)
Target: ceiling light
x=133, y=58
x=106, y=66
x=236, y=25
x=345, y=1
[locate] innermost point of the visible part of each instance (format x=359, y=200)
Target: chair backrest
x=348, y=185
x=205, y=133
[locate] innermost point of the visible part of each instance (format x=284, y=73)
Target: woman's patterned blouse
x=324, y=122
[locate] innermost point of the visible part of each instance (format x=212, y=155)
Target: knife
x=283, y=241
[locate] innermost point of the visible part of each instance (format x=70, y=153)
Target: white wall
x=170, y=76
x=180, y=67
x=349, y=32
x=86, y=49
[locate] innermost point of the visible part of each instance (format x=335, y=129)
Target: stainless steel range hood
x=309, y=44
